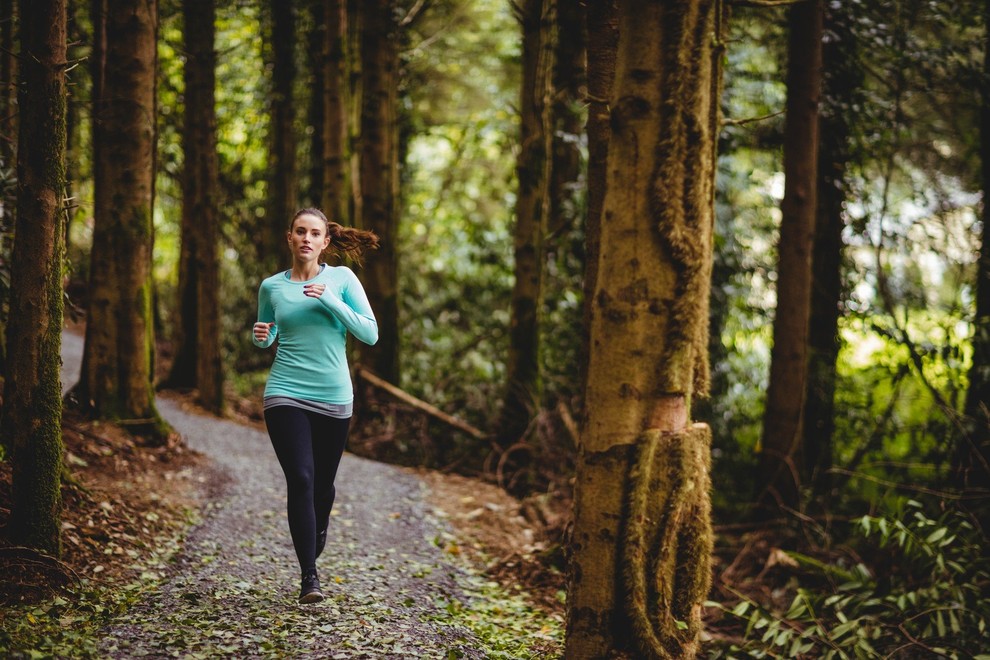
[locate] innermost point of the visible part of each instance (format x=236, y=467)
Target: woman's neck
x=304, y=271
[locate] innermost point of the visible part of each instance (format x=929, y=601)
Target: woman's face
x=308, y=238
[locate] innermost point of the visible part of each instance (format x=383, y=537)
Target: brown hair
x=344, y=241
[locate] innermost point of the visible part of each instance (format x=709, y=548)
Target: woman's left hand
x=314, y=290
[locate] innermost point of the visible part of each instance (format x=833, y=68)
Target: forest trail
x=231, y=590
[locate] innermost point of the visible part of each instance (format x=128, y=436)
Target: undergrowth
x=69, y=625
x=507, y=625
x=927, y=595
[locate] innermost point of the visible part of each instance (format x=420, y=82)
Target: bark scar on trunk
x=670, y=414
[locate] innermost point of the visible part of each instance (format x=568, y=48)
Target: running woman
x=309, y=397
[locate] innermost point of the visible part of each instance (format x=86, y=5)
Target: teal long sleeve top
x=311, y=358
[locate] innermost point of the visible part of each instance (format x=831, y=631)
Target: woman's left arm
x=353, y=309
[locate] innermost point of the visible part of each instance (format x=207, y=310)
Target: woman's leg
x=329, y=440
x=291, y=433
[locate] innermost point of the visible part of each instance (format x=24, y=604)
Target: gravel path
x=232, y=589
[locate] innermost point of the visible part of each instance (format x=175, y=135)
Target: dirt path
x=232, y=589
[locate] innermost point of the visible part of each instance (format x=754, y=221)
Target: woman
x=310, y=308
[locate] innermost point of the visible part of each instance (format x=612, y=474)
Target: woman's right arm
x=264, y=330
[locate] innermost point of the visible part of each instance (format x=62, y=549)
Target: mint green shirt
x=311, y=360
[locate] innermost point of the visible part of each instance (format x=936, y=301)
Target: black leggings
x=309, y=446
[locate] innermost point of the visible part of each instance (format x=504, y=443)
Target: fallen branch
x=419, y=404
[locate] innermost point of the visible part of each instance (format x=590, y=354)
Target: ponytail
x=351, y=242
x=344, y=241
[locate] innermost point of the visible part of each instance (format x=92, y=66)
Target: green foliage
x=508, y=627
x=70, y=624
x=925, y=595
x=455, y=231
x=911, y=228
x=887, y=410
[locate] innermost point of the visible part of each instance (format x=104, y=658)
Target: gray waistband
x=338, y=410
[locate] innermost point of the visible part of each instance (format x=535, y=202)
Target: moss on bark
x=32, y=421
x=667, y=541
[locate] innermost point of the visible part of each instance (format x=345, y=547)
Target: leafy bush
x=934, y=599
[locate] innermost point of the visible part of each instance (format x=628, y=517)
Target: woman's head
x=343, y=241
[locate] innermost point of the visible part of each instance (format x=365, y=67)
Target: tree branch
x=418, y=404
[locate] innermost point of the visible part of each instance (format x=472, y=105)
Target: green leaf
x=741, y=608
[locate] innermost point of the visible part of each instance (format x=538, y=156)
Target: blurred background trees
x=470, y=136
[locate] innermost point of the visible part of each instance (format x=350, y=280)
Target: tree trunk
x=380, y=180
x=32, y=419
x=76, y=108
x=8, y=151
x=198, y=363
x=315, y=58
x=569, y=96
x=523, y=389
x=603, y=39
x=336, y=198
x=642, y=537
x=972, y=459
x=842, y=77
x=117, y=367
x=355, y=103
x=8, y=89
x=282, y=162
x=781, y=456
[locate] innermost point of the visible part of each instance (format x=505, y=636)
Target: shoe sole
x=311, y=597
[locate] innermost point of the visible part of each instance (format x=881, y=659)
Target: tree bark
x=8, y=88
x=603, y=39
x=379, y=177
x=282, y=200
x=569, y=95
x=32, y=419
x=117, y=366
x=198, y=362
x=523, y=389
x=781, y=455
x=642, y=537
x=8, y=151
x=315, y=59
x=842, y=78
x=335, y=164
x=355, y=103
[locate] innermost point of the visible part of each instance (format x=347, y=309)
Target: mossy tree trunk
x=642, y=537
x=781, y=456
x=523, y=387
x=842, y=80
x=32, y=419
x=198, y=362
x=379, y=179
x=118, y=359
x=972, y=458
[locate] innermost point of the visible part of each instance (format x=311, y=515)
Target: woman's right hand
x=262, y=330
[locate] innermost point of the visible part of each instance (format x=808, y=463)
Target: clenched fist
x=262, y=331
x=314, y=290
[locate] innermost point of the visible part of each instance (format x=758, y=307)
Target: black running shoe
x=310, y=591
